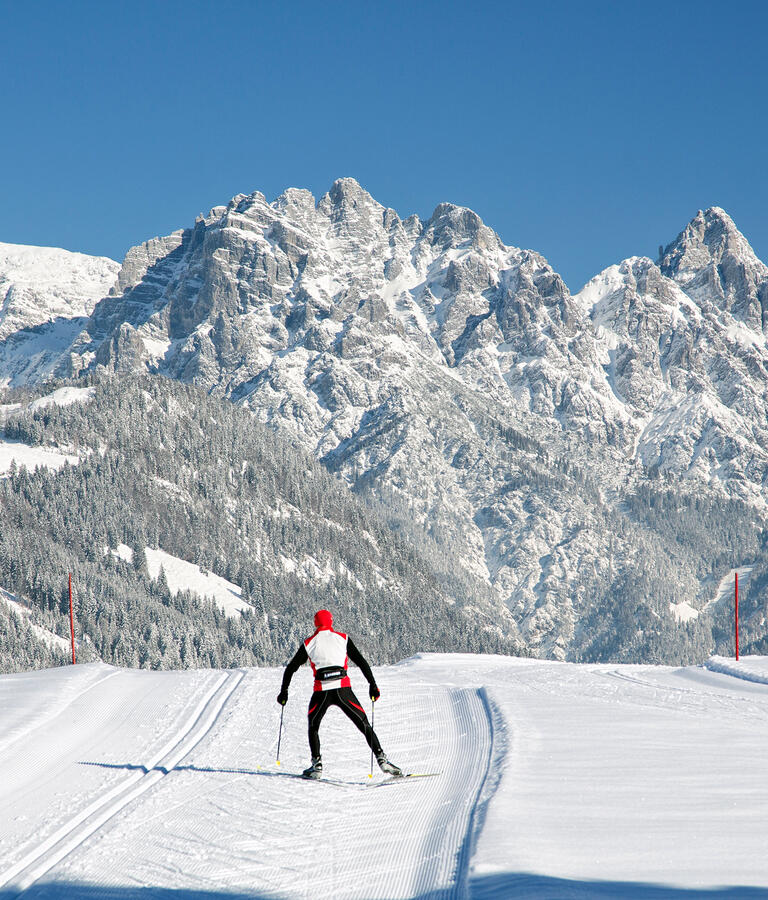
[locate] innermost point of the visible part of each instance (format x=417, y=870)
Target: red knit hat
x=323, y=619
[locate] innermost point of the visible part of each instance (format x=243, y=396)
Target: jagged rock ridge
x=436, y=366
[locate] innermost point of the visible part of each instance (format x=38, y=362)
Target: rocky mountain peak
x=346, y=195
x=714, y=264
x=451, y=226
x=295, y=199
x=709, y=236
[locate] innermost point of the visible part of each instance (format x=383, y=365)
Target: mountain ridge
x=437, y=367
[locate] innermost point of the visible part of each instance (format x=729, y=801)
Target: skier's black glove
x=282, y=698
x=375, y=693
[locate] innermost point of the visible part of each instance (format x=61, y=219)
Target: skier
x=327, y=651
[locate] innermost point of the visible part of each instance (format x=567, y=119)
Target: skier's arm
x=360, y=661
x=300, y=657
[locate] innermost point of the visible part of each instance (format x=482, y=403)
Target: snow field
x=65, y=396
x=182, y=575
x=620, y=779
x=557, y=780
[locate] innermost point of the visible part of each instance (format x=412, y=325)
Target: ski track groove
x=24, y=873
x=348, y=841
x=456, y=835
x=439, y=865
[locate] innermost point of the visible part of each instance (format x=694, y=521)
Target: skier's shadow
x=165, y=770
x=207, y=770
x=67, y=890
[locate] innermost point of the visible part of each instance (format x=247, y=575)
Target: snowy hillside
x=556, y=780
x=23, y=613
x=18, y=453
x=40, y=284
x=173, y=496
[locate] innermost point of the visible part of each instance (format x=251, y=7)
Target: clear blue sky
x=589, y=131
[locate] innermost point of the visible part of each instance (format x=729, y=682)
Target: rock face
x=458, y=377
x=684, y=350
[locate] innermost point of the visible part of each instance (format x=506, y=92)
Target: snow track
x=210, y=810
x=555, y=780
x=73, y=833
x=225, y=821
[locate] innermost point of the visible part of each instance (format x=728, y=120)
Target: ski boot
x=387, y=767
x=315, y=770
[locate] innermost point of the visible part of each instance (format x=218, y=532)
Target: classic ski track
x=449, y=849
x=24, y=873
x=440, y=863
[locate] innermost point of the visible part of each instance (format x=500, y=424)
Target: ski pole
x=373, y=707
x=280, y=732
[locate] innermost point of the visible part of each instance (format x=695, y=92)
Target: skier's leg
x=349, y=703
x=318, y=704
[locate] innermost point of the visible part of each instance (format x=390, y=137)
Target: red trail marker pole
x=72, y=621
x=736, y=614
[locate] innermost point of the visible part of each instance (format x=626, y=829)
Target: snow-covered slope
x=556, y=781
x=46, y=296
x=20, y=454
x=181, y=575
x=39, y=284
x=24, y=614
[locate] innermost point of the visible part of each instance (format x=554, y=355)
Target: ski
x=336, y=782
x=393, y=779
x=415, y=775
x=339, y=782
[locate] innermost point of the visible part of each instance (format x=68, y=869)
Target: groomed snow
x=557, y=780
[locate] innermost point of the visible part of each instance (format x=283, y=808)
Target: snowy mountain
x=536, y=434
x=684, y=350
x=555, y=780
x=44, y=284
x=46, y=296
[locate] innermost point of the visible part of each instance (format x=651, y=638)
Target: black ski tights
x=345, y=699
